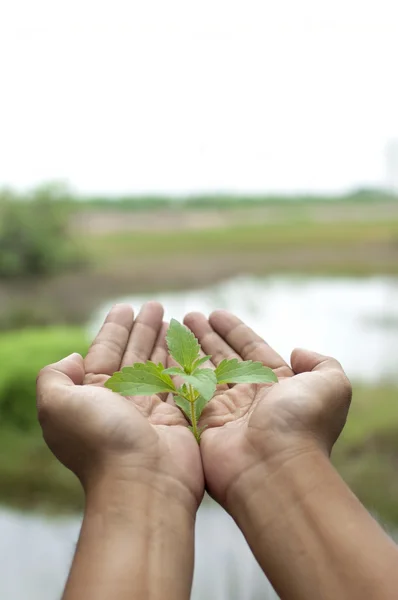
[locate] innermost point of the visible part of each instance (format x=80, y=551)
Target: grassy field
x=367, y=453
x=105, y=249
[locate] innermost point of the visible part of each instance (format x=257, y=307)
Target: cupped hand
x=248, y=426
x=99, y=434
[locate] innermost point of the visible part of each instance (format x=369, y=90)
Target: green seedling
x=200, y=383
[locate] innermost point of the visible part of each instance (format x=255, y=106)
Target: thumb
x=54, y=385
x=331, y=371
x=67, y=372
x=305, y=361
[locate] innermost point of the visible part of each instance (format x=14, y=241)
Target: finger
x=246, y=343
x=160, y=351
x=68, y=371
x=53, y=380
x=209, y=340
x=305, y=361
x=144, y=334
x=107, y=350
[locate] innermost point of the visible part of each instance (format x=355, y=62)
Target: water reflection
x=36, y=552
x=355, y=320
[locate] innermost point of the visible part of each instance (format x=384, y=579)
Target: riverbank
x=127, y=263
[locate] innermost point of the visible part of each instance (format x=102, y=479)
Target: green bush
x=34, y=236
x=22, y=355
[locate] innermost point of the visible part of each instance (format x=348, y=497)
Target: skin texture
x=265, y=455
x=138, y=463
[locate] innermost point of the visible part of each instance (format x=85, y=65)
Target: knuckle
x=112, y=345
x=249, y=349
x=40, y=374
x=43, y=411
x=345, y=388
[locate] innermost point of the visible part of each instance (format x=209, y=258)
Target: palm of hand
x=143, y=433
x=245, y=421
x=227, y=450
x=238, y=421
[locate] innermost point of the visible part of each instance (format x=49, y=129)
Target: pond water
x=355, y=320
x=36, y=552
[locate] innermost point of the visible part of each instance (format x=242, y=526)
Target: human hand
x=104, y=437
x=248, y=425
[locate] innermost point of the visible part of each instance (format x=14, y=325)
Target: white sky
x=180, y=96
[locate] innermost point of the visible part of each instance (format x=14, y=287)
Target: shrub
x=34, y=236
x=22, y=355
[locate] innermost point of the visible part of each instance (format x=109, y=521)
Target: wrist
x=137, y=540
x=305, y=527
x=277, y=483
x=125, y=492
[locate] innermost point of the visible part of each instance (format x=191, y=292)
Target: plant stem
x=193, y=413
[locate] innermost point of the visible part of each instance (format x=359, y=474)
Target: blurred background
x=228, y=154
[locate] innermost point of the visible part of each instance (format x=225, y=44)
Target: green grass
x=299, y=246
x=245, y=239
x=22, y=354
x=31, y=477
x=367, y=453
x=29, y=474
x=374, y=410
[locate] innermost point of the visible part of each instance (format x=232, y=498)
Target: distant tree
x=34, y=233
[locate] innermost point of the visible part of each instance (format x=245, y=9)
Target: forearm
x=311, y=535
x=136, y=543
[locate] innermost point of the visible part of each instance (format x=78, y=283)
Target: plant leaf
x=183, y=390
x=183, y=345
x=142, y=379
x=184, y=405
x=200, y=362
x=203, y=381
x=234, y=371
x=199, y=406
x=174, y=371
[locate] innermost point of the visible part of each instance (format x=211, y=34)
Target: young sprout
x=200, y=383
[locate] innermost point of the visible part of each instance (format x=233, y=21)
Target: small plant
x=143, y=379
